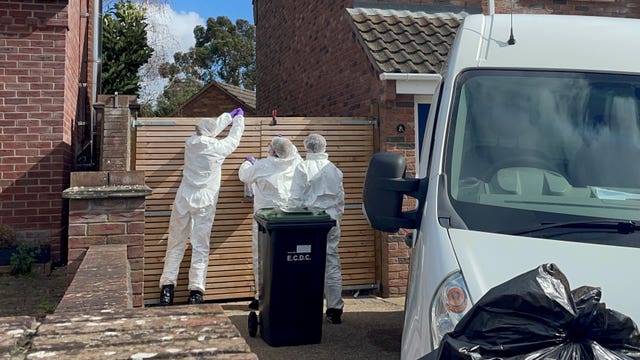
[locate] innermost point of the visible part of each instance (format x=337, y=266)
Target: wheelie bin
x=293, y=248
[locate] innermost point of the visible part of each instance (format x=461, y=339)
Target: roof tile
x=405, y=41
x=246, y=96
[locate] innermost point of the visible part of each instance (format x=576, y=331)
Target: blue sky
x=170, y=30
x=233, y=9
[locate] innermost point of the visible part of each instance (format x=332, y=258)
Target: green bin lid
x=292, y=215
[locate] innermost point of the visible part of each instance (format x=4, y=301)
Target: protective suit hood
x=283, y=163
x=271, y=179
x=317, y=182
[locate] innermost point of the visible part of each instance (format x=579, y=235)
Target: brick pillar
x=394, y=110
x=107, y=207
x=395, y=265
x=117, y=133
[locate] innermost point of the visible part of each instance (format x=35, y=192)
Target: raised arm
x=229, y=144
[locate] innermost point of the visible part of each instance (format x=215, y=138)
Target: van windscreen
x=535, y=147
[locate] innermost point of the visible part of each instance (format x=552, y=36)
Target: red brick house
x=375, y=59
x=47, y=86
x=216, y=98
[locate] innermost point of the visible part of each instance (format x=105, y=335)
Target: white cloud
x=168, y=32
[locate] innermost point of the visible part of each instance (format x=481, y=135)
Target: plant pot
x=5, y=255
x=44, y=255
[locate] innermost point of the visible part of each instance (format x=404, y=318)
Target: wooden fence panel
x=160, y=151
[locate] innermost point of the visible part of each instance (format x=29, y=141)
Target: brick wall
x=307, y=61
x=310, y=64
x=107, y=208
x=211, y=103
x=73, y=57
x=614, y=8
x=77, y=89
x=396, y=110
x=38, y=85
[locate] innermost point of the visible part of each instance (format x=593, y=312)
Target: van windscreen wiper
x=622, y=227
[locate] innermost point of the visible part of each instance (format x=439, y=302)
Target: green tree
x=223, y=52
x=124, y=48
x=175, y=94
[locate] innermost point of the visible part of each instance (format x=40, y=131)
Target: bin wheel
x=253, y=324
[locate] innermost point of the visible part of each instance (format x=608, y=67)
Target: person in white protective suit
x=195, y=203
x=317, y=183
x=270, y=179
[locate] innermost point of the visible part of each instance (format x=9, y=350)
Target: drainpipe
x=492, y=7
x=96, y=87
x=97, y=49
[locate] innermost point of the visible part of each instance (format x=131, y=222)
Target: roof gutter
x=416, y=84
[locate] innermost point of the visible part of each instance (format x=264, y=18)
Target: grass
x=34, y=295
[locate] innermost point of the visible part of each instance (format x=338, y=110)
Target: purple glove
x=250, y=159
x=236, y=112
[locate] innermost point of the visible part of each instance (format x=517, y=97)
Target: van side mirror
x=384, y=188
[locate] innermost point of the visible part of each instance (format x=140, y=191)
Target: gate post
x=117, y=132
x=108, y=206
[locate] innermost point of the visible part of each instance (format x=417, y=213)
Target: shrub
x=7, y=236
x=23, y=258
x=46, y=307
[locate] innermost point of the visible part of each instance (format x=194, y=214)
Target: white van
x=531, y=155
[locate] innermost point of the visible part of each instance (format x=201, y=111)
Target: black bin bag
x=536, y=316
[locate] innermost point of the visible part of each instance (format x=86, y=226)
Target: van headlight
x=449, y=305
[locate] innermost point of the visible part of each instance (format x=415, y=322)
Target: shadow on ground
x=362, y=335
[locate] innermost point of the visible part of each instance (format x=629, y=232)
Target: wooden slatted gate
x=159, y=152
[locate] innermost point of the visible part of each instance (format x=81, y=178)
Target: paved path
x=181, y=331
x=371, y=329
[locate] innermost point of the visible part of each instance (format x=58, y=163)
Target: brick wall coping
x=103, y=192
x=106, y=184
x=185, y=331
x=106, y=178
x=101, y=282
